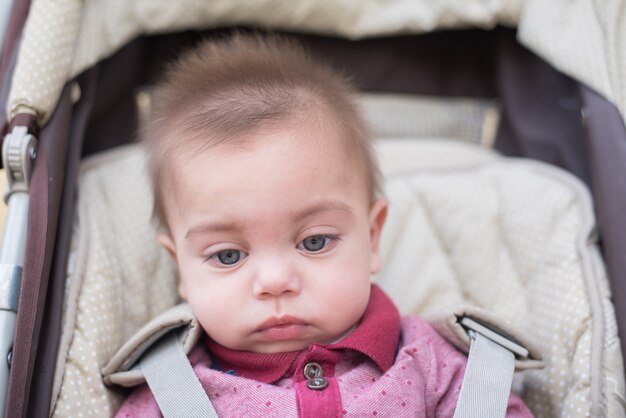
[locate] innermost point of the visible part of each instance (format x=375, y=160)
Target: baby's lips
x=281, y=322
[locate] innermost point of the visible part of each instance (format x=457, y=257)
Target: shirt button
x=313, y=373
x=317, y=383
x=312, y=370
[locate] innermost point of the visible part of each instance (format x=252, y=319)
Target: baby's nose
x=276, y=277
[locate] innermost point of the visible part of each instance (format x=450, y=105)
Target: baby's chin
x=282, y=347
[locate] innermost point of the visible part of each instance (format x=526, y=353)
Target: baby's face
x=275, y=241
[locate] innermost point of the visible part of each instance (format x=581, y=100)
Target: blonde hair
x=224, y=89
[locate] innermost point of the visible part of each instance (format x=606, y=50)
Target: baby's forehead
x=317, y=143
x=269, y=166
x=314, y=131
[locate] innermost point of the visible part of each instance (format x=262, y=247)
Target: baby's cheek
x=353, y=278
x=348, y=293
x=216, y=310
x=214, y=322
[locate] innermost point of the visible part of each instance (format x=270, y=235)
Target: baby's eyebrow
x=209, y=227
x=325, y=206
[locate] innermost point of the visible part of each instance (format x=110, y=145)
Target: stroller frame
x=584, y=134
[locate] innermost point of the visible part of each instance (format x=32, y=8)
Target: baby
x=269, y=200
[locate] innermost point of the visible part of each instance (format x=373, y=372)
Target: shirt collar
x=376, y=337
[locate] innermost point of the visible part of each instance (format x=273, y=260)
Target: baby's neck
x=345, y=334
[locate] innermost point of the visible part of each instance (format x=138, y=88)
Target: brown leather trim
x=25, y=343
x=25, y=119
x=43, y=217
x=45, y=363
x=606, y=145
x=541, y=116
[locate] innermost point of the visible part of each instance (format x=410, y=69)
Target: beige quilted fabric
x=469, y=227
x=504, y=237
x=45, y=57
x=118, y=279
x=585, y=39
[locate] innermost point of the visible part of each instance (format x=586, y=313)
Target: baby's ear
x=377, y=217
x=182, y=290
x=168, y=243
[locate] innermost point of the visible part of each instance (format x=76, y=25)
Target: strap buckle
x=486, y=385
x=495, y=336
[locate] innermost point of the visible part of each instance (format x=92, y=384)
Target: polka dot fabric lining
x=119, y=279
x=482, y=230
x=45, y=57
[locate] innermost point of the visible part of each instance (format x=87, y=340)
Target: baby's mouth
x=282, y=328
x=280, y=322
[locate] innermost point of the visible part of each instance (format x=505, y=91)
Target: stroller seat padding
x=466, y=227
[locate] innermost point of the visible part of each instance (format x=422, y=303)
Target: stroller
x=74, y=86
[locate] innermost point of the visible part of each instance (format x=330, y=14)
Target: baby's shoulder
x=418, y=335
x=415, y=328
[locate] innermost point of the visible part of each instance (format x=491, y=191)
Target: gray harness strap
x=173, y=382
x=484, y=392
x=487, y=381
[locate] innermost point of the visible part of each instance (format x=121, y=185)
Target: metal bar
x=11, y=263
x=15, y=225
x=18, y=154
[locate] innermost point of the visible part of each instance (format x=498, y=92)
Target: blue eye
x=316, y=243
x=228, y=257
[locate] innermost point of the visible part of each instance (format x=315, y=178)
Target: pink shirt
x=369, y=373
